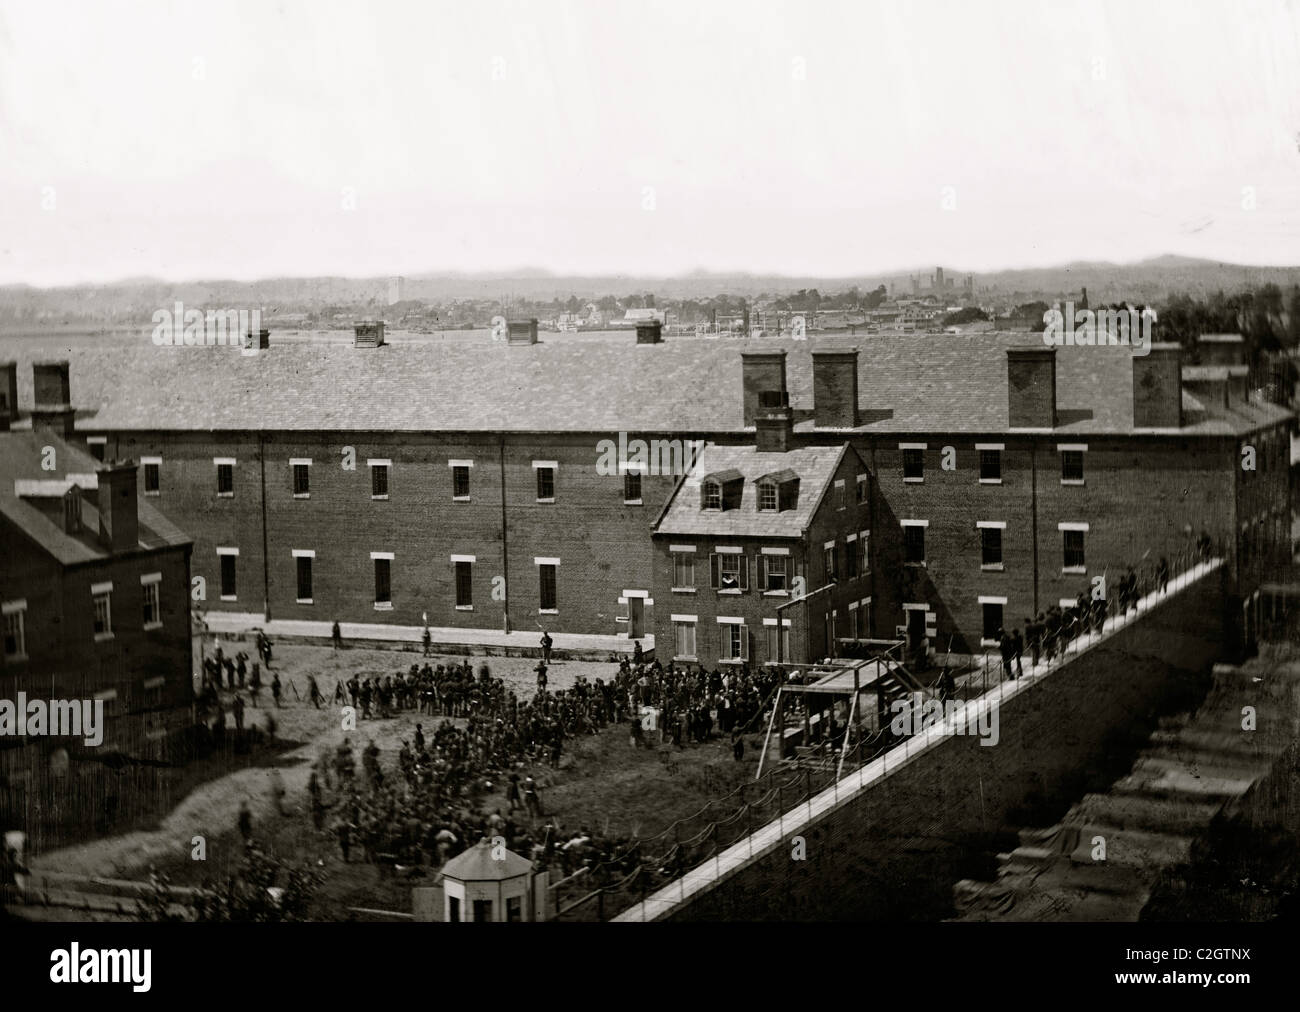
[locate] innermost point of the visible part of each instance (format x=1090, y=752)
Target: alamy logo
x=58, y=718
x=653, y=457
x=75, y=965
x=914, y=714
x=180, y=326
x=1103, y=327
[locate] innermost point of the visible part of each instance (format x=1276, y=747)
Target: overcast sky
x=212, y=139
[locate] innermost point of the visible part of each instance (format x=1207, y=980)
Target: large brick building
x=94, y=591
x=468, y=480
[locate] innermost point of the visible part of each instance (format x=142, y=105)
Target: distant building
x=396, y=290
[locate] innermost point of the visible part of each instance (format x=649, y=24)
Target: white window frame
x=912, y=446
x=469, y=469
x=389, y=557
x=294, y=464
x=304, y=553
x=217, y=463
x=555, y=477
x=151, y=583
x=686, y=620
x=1000, y=448
x=1082, y=528
x=146, y=462
x=1080, y=448
x=689, y=552
x=471, y=559
x=983, y=600
x=227, y=551
x=105, y=591
x=387, y=465
x=540, y=561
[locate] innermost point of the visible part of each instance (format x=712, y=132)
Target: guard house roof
x=478, y=865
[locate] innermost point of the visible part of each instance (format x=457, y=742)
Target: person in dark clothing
x=1007, y=649
x=337, y=635
x=1017, y=651
x=737, y=745
x=313, y=690
x=546, y=647
x=245, y=823
x=1162, y=574
x=275, y=690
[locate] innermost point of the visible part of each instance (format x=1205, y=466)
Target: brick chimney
x=774, y=423
x=649, y=332
x=53, y=397
x=835, y=388
x=1031, y=388
x=760, y=371
x=1158, y=388
x=9, y=389
x=522, y=332
x=119, y=520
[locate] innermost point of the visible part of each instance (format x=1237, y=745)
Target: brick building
x=469, y=481
x=94, y=591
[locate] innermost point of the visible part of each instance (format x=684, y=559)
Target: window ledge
x=150, y=626
x=914, y=481
x=1074, y=570
x=154, y=494
x=377, y=498
x=229, y=597
x=914, y=565
x=225, y=495
x=15, y=658
x=306, y=600
x=683, y=590
x=731, y=660
x=990, y=481
x=731, y=593
x=633, y=502
x=1072, y=481
x=989, y=643
x=464, y=607
x=461, y=498
x=992, y=567
x=548, y=611
x=103, y=637
x=383, y=606
x=686, y=657
x=302, y=495
x=550, y=500
x=776, y=593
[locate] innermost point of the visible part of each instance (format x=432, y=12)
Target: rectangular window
x=228, y=576
x=767, y=497
x=860, y=624
x=15, y=630
x=546, y=484
x=774, y=572
x=831, y=560
x=460, y=481
x=302, y=480
x=632, y=487
x=304, y=579
x=735, y=642
x=383, y=581
x=684, y=633
x=514, y=909
x=712, y=495
x=914, y=544
x=851, y=557
x=464, y=585
x=96, y=445
x=862, y=488
x=152, y=468
x=841, y=495
x=103, y=601
x=990, y=546
x=1071, y=465
x=990, y=465
x=1073, y=544
x=778, y=643
x=864, y=553
x=225, y=478
x=152, y=600
x=913, y=464
x=730, y=572
x=546, y=580
x=683, y=570
x=378, y=481
x=992, y=620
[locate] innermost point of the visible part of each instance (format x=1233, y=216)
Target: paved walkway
x=520, y=642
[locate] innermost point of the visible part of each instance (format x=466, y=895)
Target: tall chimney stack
x=1158, y=388
x=1031, y=388
x=774, y=423
x=760, y=371
x=53, y=397
x=119, y=519
x=835, y=388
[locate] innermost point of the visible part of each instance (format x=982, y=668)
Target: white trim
x=771, y=623
x=774, y=551
x=728, y=550
x=147, y=578
x=383, y=606
x=916, y=607
x=991, y=446
x=464, y=558
x=1070, y=526
x=157, y=682
x=865, y=600
x=993, y=600
x=546, y=463
x=1066, y=602
x=12, y=607
x=828, y=545
x=681, y=548
x=383, y=555
x=633, y=467
x=851, y=538
x=378, y=462
x=683, y=618
x=998, y=524
x=102, y=588
x=853, y=606
x=1068, y=447
x=460, y=463
x=639, y=593
x=106, y=694
x=914, y=523
x=150, y=460
x=1074, y=570
x=297, y=461
x=913, y=446
x=227, y=551
x=218, y=461
x=303, y=553
x=541, y=561
x=96, y=440
x=730, y=620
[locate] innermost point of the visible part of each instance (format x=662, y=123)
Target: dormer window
x=722, y=490
x=712, y=495
x=778, y=492
x=767, y=497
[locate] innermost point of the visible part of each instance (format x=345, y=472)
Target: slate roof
x=21, y=453
x=814, y=465
x=908, y=383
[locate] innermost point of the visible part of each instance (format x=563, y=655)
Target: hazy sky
x=213, y=139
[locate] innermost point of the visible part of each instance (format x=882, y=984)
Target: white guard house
x=480, y=885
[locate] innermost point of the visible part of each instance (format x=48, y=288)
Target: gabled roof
x=724, y=476
x=814, y=466
x=21, y=455
x=478, y=865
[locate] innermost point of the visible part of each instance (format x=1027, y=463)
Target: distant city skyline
x=336, y=139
